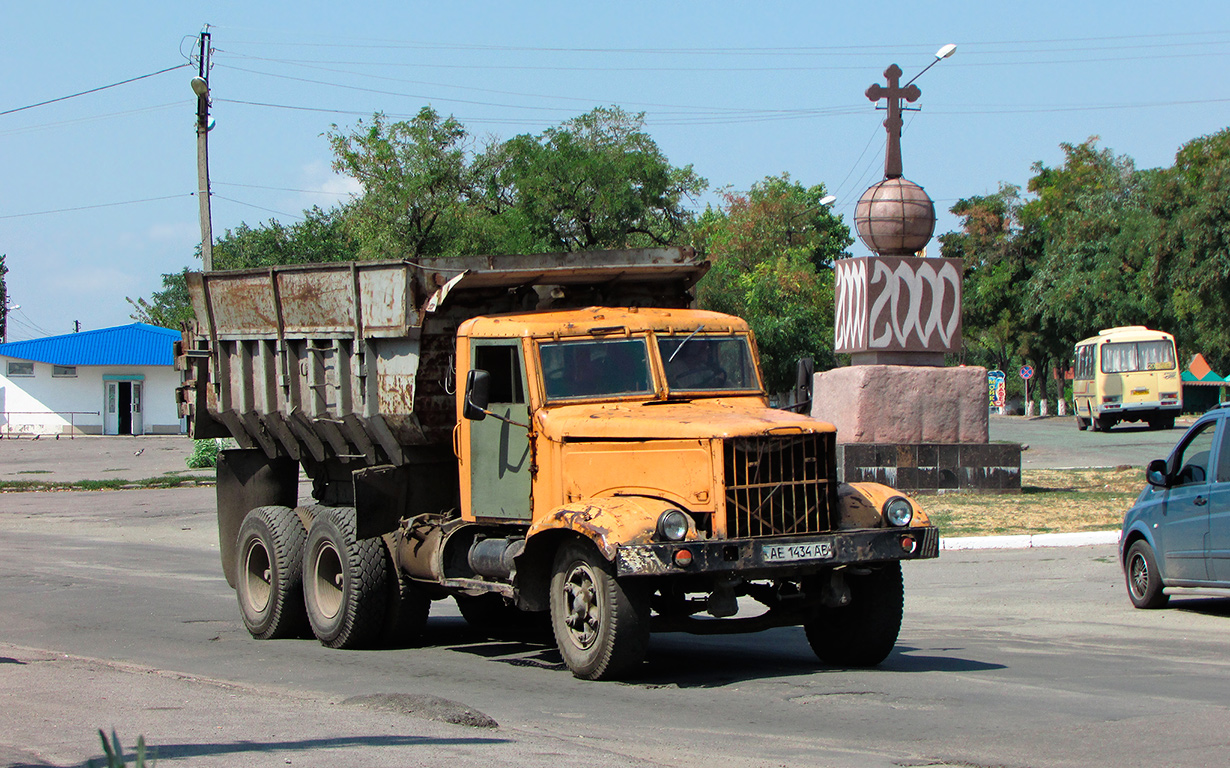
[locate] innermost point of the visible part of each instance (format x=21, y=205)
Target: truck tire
x=269, y=573
x=345, y=581
x=863, y=633
x=406, y=609
x=601, y=626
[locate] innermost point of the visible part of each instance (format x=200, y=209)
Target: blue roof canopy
x=136, y=344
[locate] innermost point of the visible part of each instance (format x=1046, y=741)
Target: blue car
x=1178, y=532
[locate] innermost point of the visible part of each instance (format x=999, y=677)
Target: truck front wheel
x=345, y=580
x=601, y=626
x=863, y=633
x=269, y=581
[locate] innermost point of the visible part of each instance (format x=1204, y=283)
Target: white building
x=113, y=381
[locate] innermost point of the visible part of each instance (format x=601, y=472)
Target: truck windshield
x=708, y=363
x=595, y=368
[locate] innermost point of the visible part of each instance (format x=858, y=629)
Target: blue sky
x=738, y=90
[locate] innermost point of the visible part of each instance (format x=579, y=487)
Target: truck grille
x=779, y=486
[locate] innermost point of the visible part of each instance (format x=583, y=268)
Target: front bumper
x=747, y=557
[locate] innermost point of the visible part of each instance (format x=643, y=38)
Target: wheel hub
x=581, y=596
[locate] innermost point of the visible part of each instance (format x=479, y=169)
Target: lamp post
x=200, y=86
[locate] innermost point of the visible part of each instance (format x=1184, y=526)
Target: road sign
x=1027, y=372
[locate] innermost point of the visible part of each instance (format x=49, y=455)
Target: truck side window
x=504, y=365
x=1193, y=459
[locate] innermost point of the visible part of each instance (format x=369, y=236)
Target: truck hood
x=708, y=418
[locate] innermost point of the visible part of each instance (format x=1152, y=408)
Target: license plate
x=1140, y=391
x=786, y=553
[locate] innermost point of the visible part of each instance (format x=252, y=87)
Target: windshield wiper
x=671, y=359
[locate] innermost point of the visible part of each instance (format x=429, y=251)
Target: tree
x=415, y=183
x=596, y=181
x=772, y=252
x=1197, y=193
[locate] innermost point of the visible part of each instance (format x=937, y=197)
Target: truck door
x=499, y=452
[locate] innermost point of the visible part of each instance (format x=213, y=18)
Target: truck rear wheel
x=406, y=610
x=345, y=581
x=601, y=627
x=863, y=633
x=269, y=583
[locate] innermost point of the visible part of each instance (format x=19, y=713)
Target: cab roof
x=600, y=321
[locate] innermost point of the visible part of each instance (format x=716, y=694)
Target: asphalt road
x=1055, y=442
x=113, y=612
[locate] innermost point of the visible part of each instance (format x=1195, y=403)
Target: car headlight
x=672, y=525
x=898, y=511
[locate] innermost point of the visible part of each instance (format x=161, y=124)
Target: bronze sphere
x=895, y=218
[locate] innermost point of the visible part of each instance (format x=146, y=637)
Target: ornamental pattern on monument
x=897, y=304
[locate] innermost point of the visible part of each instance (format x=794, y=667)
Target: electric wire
x=92, y=207
x=92, y=90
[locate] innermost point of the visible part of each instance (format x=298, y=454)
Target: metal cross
x=894, y=93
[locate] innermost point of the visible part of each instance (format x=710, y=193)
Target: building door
x=122, y=414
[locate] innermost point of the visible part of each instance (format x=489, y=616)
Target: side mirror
x=1155, y=474
x=478, y=387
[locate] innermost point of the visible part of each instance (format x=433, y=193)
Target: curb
x=1031, y=541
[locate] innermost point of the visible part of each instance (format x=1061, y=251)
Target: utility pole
x=200, y=86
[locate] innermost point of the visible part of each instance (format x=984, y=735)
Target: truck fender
x=860, y=505
x=607, y=521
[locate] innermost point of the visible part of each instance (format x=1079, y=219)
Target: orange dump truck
x=534, y=436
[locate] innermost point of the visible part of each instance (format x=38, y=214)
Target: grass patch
x=111, y=484
x=1050, y=501
x=33, y=472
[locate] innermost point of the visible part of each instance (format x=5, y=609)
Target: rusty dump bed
x=354, y=360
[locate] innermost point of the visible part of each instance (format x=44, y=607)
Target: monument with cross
x=902, y=416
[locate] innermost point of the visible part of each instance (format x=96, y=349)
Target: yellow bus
x=1126, y=374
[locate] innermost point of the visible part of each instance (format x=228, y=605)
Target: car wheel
x=601, y=628
x=270, y=577
x=1144, y=581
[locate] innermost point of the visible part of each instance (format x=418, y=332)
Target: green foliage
x=115, y=753
x=1100, y=244
x=596, y=181
x=204, y=454
x=772, y=252
x=415, y=178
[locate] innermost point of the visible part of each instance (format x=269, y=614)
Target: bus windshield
x=1130, y=356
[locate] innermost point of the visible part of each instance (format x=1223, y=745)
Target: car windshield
x=708, y=363
x=595, y=368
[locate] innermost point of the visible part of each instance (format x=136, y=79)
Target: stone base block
x=921, y=468
x=903, y=404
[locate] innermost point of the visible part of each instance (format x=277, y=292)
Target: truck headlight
x=672, y=525
x=898, y=511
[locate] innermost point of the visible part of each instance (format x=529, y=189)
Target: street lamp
x=828, y=199
x=940, y=55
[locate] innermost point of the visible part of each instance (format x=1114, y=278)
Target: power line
x=257, y=207
x=91, y=207
x=93, y=90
